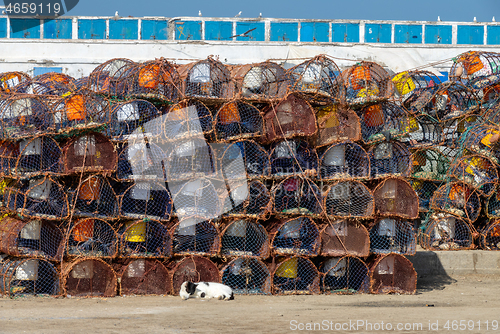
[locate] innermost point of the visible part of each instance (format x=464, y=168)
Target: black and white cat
x=206, y=290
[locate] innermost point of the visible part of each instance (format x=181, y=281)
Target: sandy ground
x=475, y=300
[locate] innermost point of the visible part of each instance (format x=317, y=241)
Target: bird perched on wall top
x=260, y=15
x=238, y=15
x=199, y=13
x=439, y=19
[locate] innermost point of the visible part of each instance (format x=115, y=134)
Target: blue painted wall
x=188, y=30
x=411, y=34
x=57, y=29
x=378, y=33
x=154, y=29
x=493, y=35
x=218, y=30
x=25, y=28
x=437, y=34
x=314, y=32
x=259, y=34
x=123, y=29
x=92, y=29
x=3, y=27
x=286, y=31
x=43, y=70
x=345, y=32
x=470, y=35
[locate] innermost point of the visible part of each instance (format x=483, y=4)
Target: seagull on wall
x=493, y=19
x=116, y=17
x=439, y=19
x=238, y=15
x=475, y=20
x=260, y=15
x=199, y=13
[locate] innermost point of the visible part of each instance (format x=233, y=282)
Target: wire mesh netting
x=344, y=275
x=483, y=139
x=37, y=156
x=384, y=121
x=492, y=204
x=425, y=190
x=458, y=199
x=424, y=131
x=293, y=157
x=430, y=164
x=344, y=237
x=140, y=160
x=472, y=65
x=186, y=119
x=345, y=160
x=490, y=236
x=88, y=277
x=477, y=171
x=244, y=237
x=454, y=129
x=349, y=199
x=389, y=235
x=146, y=199
x=296, y=276
x=9, y=80
x=396, y=197
x=392, y=273
x=195, y=236
x=255, y=159
x=409, y=83
x=296, y=236
x=190, y=159
x=366, y=82
x=297, y=196
x=109, y=77
x=95, y=197
x=337, y=123
x=20, y=277
x=46, y=89
x=194, y=269
x=9, y=153
x=262, y=81
x=144, y=277
x=248, y=200
x=447, y=233
x=144, y=239
x=91, y=238
x=195, y=198
x=247, y=276
x=389, y=158
x=238, y=120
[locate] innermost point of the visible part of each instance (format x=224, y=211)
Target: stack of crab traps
x=300, y=180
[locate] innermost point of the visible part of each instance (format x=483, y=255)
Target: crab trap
x=490, y=236
x=247, y=200
x=396, y=197
x=483, y=139
x=493, y=204
x=45, y=89
x=408, y=83
x=109, y=78
x=24, y=116
x=196, y=198
x=190, y=159
x=458, y=199
x=207, y=79
x=344, y=237
x=247, y=276
x=144, y=277
x=187, y=119
x=431, y=164
x=454, y=129
x=477, y=171
x=425, y=190
x=446, y=233
x=296, y=276
x=144, y=239
x=472, y=65
x=37, y=198
x=344, y=160
x=366, y=82
x=255, y=158
x=195, y=236
x=389, y=158
x=297, y=196
x=490, y=96
x=392, y=273
x=54, y=78
x=21, y=277
x=317, y=79
x=349, y=199
x=88, y=277
x=30, y=238
x=384, y=121
x=9, y=80
x=156, y=80
x=134, y=119
x=244, y=237
x=140, y=160
x=94, y=197
x=91, y=152
x=292, y=117
x=336, y=123
x=344, y=275
x=424, y=131
x=296, y=236
x=293, y=157
x=9, y=153
x=389, y=235
x=238, y=120
x=38, y=156
x=91, y=238
x=146, y=200
x=193, y=269
x=260, y=82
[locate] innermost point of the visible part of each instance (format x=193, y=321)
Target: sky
x=414, y=10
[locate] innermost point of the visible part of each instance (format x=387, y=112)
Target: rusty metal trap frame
x=348, y=199
x=337, y=123
x=145, y=200
x=292, y=117
x=156, y=80
x=255, y=159
x=195, y=236
x=317, y=79
x=392, y=273
x=260, y=82
x=490, y=235
x=490, y=96
x=208, y=80
x=343, y=161
x=90, y=152
x=344, y=275
x=474, y=64
x=477, y=171
x=109, y=78
x=407, y=83
x=455, y=128
x=384, y=121
x=245, y=238
x=143, y=277
x=297, y=196
x=446, y=232
x=293, y=157
x=194, y=269
x=295, y=276
x=247, y=276
x=93, y=196
x=425, y=190
x=28, y=276
x=492, y=204
x=187, y=118
x=42, y=197
x=431, y=164
x=36, y=156
x=395, y=197
x=366, y=82
x=91, y=237
x=247, y=200
x=9, y=80
x=198, y=197
x=45, y=89
x=296, y=236
x=237, y=120
x=9, y=153
x=140, y=160
x=88, y=277
x=344, y=237
x=483, y=139
x=33, y=238
x=144, y=239
x=389, y=158
x=55, y=78
x=23, y=116
x=458, y=199
x=392, y=235
x=424, y=131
